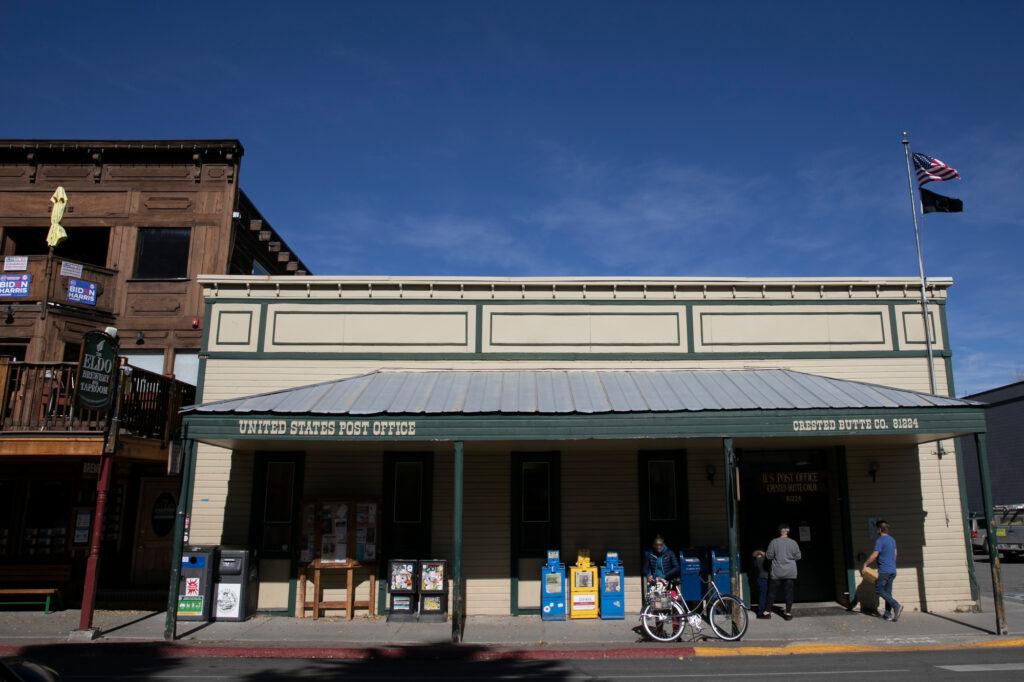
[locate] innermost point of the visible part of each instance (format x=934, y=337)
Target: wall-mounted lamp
x=709, y=473
x=8, y=314
x=140, y=338
x=195, y=323
x=873, y=471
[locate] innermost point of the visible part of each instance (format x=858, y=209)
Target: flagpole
x=920, y=265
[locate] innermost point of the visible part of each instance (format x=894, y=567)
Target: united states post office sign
x=326, y=428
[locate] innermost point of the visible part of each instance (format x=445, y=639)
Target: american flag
x=929, y=169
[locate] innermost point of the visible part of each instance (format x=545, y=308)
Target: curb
x=478, y=653
x=440, y=652
x=475, y=653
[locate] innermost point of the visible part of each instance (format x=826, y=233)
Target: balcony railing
x=47, y=284
x=39, y=397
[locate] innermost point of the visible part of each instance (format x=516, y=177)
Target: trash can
x=719, y=570
x=689, y=574
x=237, y=585
x=195, y=586
x=613, y=602
x=552, y=588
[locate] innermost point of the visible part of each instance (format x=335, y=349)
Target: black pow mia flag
x=936, y=203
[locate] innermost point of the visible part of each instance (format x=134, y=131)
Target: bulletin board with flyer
x=340, y=532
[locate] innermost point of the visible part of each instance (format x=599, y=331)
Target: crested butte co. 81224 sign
x=856, y=424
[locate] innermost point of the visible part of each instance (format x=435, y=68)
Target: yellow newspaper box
x=583, y=587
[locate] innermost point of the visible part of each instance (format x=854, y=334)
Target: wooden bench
x=25, y=580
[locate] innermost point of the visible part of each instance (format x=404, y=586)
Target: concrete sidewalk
x=824, y=625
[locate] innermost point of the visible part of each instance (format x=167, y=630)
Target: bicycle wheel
x=728, y=618
x=663, y=625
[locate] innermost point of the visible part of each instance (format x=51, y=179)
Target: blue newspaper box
x=613, y=602
x=718, y=567
x=689, y=575
x=552, y=588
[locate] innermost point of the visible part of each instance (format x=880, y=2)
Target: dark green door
x=789, y=487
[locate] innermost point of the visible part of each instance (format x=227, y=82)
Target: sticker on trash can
x=191, y=587
x=229, y=598
x=190, y=606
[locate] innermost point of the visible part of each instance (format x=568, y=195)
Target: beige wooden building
x=583, y=413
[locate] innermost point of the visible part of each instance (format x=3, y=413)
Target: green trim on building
x=577, y=301
x=689, y=328
x=261, y=338
x=478, y=342
x=642, y=425
x=893, y=329
x=760, y=355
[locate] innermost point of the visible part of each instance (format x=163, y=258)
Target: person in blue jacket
x=660, y=562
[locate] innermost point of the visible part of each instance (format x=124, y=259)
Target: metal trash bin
x=195, y=586
x=237, y=586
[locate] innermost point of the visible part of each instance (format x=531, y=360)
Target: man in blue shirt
x=885, y=553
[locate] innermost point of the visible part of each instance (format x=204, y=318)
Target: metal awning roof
x=539, y=392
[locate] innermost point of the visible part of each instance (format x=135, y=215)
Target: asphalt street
x=1013, y=578
x=995, y=664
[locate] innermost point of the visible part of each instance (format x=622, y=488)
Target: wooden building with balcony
x=144, y=219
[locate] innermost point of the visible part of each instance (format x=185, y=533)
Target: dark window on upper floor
x=84, y=244
x=162, y=253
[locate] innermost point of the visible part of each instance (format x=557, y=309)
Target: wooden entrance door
x=154, y=531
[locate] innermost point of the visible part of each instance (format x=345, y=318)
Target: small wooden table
x=350, y=604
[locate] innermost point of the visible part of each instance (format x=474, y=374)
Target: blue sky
x=576, y=138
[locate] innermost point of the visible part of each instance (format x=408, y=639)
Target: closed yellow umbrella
x=57, y=234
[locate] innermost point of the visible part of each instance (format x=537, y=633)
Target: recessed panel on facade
x=362, y=328
x=585, y=328
x=794, y=328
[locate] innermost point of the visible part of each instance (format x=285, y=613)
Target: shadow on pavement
x=951, y=619
x=150, y=660
x=132, y=622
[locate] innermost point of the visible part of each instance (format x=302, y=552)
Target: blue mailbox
x=718, y=567
x=613, y=601
x=552, y=588
x=689, y=574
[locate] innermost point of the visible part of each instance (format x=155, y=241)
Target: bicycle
x=667, y=615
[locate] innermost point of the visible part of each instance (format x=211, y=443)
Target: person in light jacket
x=783, y=552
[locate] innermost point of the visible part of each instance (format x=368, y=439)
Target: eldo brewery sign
x=96, y=371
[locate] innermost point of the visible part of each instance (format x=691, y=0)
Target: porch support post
x=188, y=472
x=965, y=518
x=731, y=514
x=990, y=534
x=846, y=527
x=458, y=607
